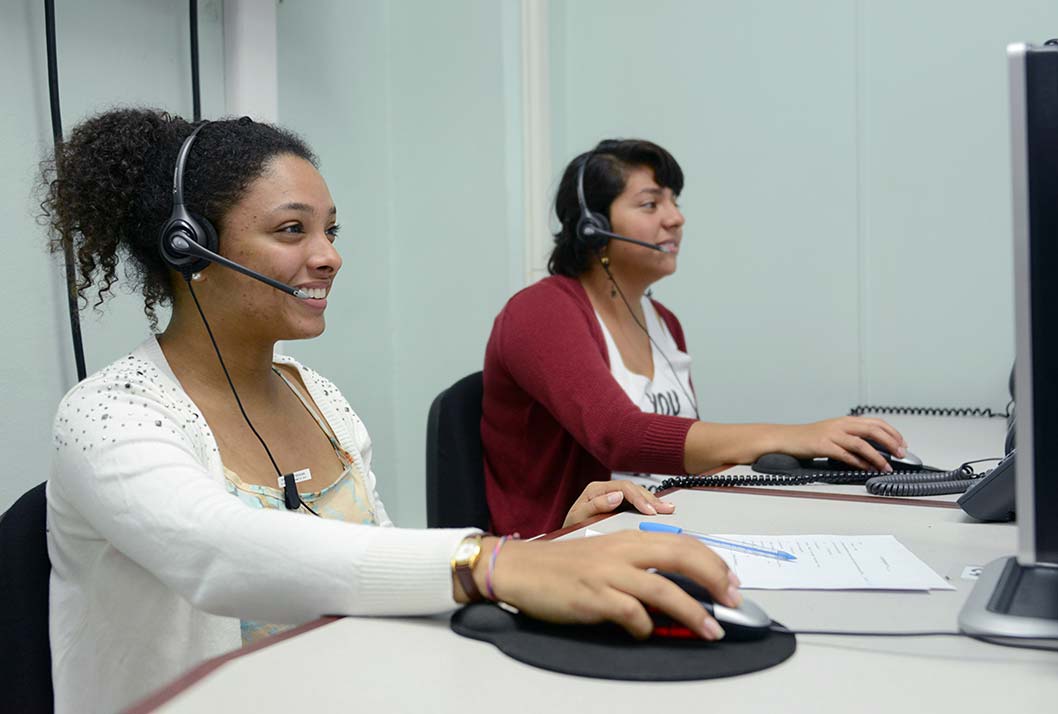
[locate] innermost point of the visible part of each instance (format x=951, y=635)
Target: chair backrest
x=25, y=653
x=455, y=473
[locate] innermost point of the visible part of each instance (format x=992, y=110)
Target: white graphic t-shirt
x=670, y=390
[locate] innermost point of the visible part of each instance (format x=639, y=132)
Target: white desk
x=421, y=666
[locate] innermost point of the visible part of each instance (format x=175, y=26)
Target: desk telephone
x=991, y=497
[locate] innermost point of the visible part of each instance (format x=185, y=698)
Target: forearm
x=709, y=445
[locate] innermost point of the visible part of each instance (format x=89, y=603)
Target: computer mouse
x=907, y=461
x=786, y=464
x=748, y=621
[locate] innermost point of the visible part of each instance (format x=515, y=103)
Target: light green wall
x=412, y=107
x=334, y=89
x=936, y=215
x=761, y=117
x=847, y=190
x=109, y=52
x=847, y=197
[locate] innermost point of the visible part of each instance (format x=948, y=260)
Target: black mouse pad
x=608, y=652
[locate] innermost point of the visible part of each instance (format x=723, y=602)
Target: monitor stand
x=1012, y=600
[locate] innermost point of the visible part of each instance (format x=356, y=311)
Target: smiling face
x=647, y=212
x=284, y=227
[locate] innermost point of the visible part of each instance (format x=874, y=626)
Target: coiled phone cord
x=921, y=484
x=722, y=480
x=862, y=409
x=896, y=484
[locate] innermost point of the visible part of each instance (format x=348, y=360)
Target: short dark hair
x=604, y=180
x=109, y=189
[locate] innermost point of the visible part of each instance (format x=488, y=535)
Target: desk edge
x=179, y=685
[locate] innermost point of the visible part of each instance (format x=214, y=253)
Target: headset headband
x=181, y=161
x=580, y=184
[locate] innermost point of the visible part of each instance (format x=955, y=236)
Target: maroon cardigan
x=554, y=418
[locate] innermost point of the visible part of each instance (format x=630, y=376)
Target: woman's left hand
x=606, y=496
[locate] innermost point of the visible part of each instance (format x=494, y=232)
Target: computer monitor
x=1018, y=596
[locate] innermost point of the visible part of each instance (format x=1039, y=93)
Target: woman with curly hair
x=171, y=538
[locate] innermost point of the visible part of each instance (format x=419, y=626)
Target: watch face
x=466, y=551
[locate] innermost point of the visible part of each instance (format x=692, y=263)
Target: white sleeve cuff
x=409, y=572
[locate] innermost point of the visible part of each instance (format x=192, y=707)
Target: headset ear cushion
x=191, y=227
x=207, y=233
x=597, y=221
x=601, y=222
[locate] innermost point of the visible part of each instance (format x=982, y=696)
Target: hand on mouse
x=605, y=578
x=606, y=496
x=844, y=439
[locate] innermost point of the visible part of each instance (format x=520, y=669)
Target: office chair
x=455, y=473
x=25, y=654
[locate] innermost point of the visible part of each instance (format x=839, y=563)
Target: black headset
x=593, y=228
x=592, y=225
x=183, y=229
x=189, y=243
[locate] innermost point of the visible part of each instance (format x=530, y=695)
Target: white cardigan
x=154, y=562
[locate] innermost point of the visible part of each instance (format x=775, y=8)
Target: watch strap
x=464, y=571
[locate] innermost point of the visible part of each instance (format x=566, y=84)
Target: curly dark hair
x=604, y=180
x=109, y=190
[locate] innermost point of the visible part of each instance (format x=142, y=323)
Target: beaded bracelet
x=489, y=592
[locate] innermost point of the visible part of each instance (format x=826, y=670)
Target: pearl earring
x=197, y=277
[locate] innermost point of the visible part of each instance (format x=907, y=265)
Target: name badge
x=299, y=476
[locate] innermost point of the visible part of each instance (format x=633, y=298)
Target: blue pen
x=718, y=542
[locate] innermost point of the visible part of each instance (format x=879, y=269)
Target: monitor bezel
x=1029, y=156
x=1022, y=309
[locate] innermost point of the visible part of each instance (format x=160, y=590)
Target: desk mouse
x=899, y=463
x=745, y=622
x=907, y=462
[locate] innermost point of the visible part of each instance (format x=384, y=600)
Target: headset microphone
x=181, y=244
x=593, y=227
x=589, y=231
x=189, y=242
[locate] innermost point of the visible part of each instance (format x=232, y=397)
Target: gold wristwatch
x=467, y=553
